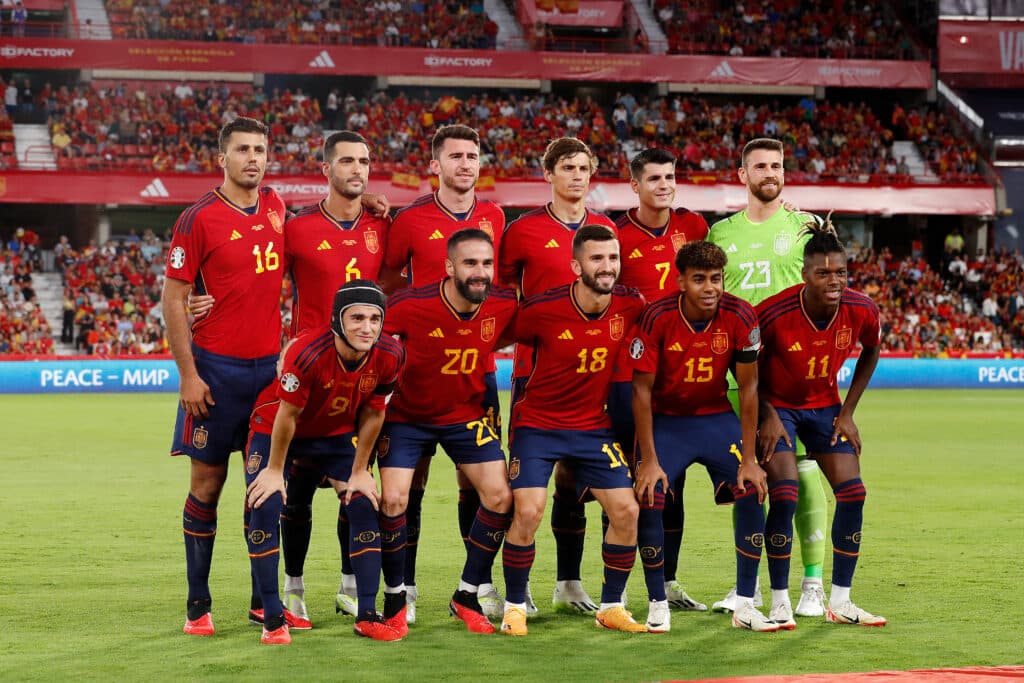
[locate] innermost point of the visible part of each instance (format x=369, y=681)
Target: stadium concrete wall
x=127, y=376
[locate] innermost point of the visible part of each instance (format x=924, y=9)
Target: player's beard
x=767, y=196
x=591, y=281
x=458, y=183
x=242, y=180
x=476, y=297
x=342, y=187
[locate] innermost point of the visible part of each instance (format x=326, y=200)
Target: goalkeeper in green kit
x=764, y=244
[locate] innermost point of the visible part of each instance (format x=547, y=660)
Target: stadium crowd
x=424, y=23
x=784, y=28
x=112, y=293
x=171, y=127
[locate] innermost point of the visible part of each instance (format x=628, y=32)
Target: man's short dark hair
x=341, y=136
x=700, y=255
x=760, y=143
x=243, y=124
x=455, y=131
x=590, y=233
x=651, y=155
x=566, y=147
x=467, y=235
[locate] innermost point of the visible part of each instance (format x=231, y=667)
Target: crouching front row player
x=327, y=409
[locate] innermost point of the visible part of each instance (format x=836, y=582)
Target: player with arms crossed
x=535, y=252
x=764, y=245
x=450, y=328
x=230, y=245
x=683, y=350
x=575, y=332
x=418, y=245
x=328, y=408
x=651, y=235
x=808, y=330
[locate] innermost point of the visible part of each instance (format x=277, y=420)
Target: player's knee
x=207, y=489
x=297, y=512
x=394, y=503
x=623, y=515
x=497, y=499
x=528, y=515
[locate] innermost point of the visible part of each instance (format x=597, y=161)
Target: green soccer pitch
x=93, y=587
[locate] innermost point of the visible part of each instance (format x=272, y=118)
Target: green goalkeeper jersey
x=764, y=258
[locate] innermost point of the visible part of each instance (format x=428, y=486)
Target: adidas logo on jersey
x=635, y=254
x=436, y=235
x=324, y=246
x=551, y=245
x=675, y=347
x=795, y=347
x=322, y=61
x=235, y=235
x=732, y=249
x=155, y=189
x=437, y=333
x=723, y=70
x=566, y=335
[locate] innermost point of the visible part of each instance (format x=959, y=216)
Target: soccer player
x=535, y=250
x=808, y=330
x=764, y=245
x=229, y=244
x=575, y=332
x=327, y=244
x=450, y=329
x=684, y=347
x=418, y=245
x=327, y=408
x=651, y=235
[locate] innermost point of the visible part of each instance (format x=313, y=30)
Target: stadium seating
x=23, y=327
x=784, y=28
x=426, y=23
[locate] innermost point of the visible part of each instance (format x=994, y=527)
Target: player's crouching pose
x=575, y=331
x=684, y=346
x=450, y=328
x=808, y=331
x=327, y=409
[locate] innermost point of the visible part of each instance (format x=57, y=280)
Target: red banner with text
x=40, y=187
x=589, y=13
x=327, y=60
x=982, y=54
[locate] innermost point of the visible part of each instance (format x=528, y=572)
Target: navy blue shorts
x=711, y=440
x=331, y=456
x=620, y=410
x=234, y=383
x=814, y=427
x=402, y=444
x=595, y=456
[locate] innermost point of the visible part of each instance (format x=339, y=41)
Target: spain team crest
x=720, y=342
x=252, y=464
x=678, y=240
x=513, y=469
x=488, y=328
x=844, y=336
x=487, y=227
x=782, y=243
x=383, y=446
x=368, y=382
x=372, y=244
x=200, y=437
x=275, y=221
x=616, y=326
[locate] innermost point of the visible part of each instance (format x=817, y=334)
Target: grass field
x=92, y=581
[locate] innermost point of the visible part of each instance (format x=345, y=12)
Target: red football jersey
x=323, y=255
x=649, y=254
x=329, y=393
x=419, y=235
x=574, y=357
x=448, y=355
x=799, y=363
x=537, y=249
x=239, y=259
x=690, y=364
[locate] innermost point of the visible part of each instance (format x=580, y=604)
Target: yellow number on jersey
x=268, y=260
x=482, y=426
x=592, y=360
x=465, y=359
x=664, y=268
x=339, y=406
x=351, y=272
x=699, y=370
x=821, y=363
x=615, y=454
